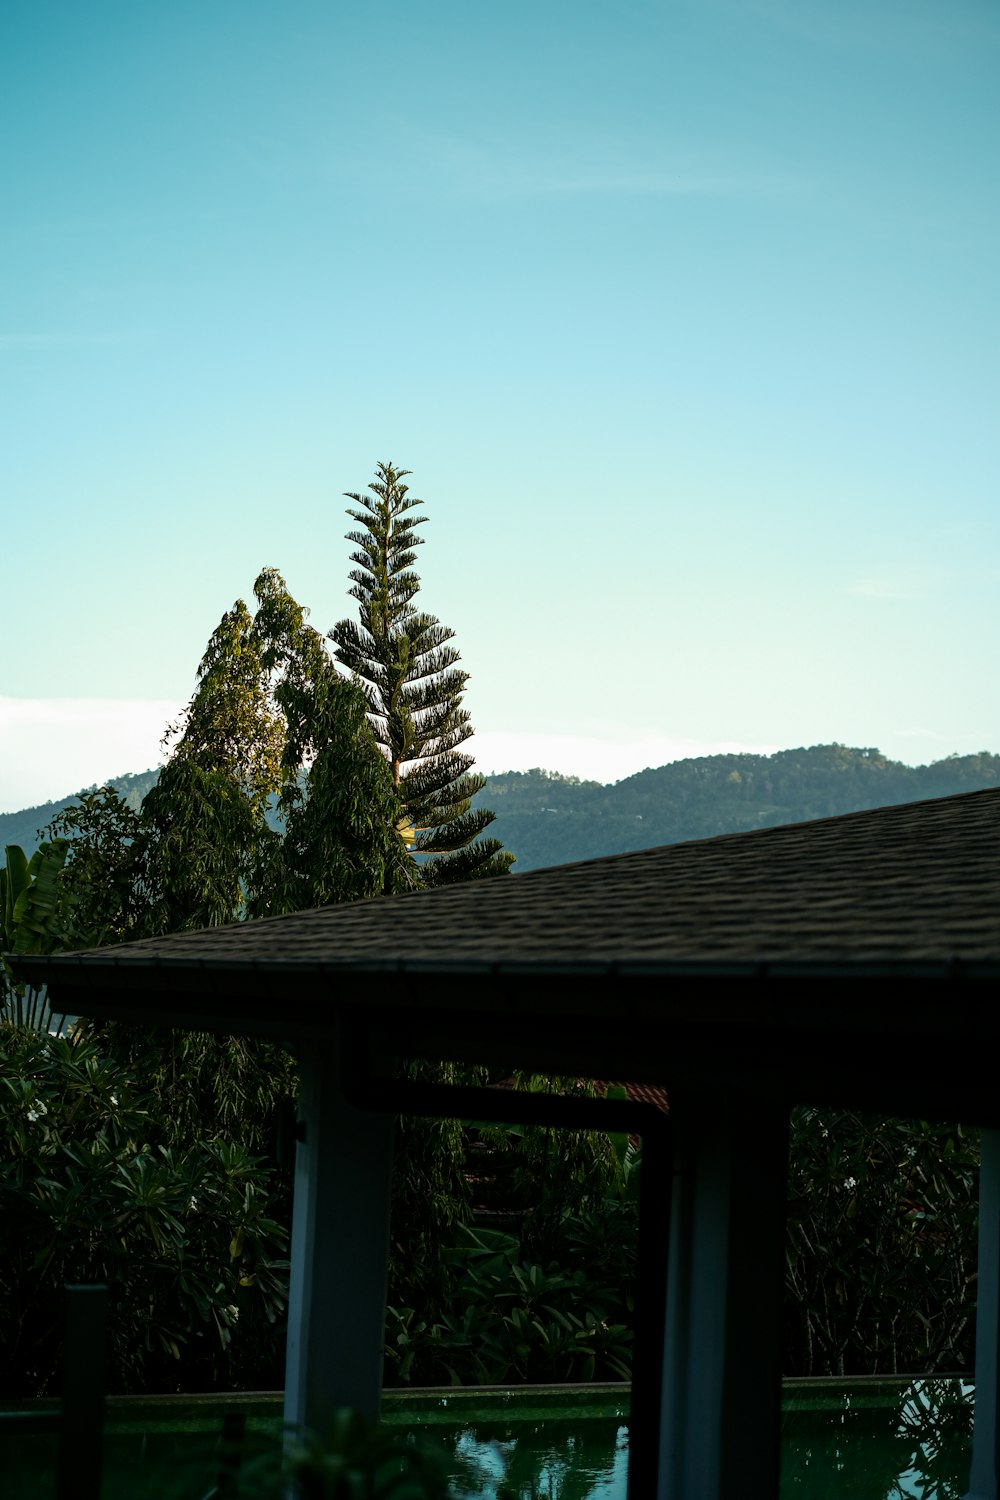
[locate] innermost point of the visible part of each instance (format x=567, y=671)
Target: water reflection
x=877, y=1441
x=553, y=1460
x=861, y=1440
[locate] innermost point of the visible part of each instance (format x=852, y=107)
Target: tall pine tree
x=408, y=669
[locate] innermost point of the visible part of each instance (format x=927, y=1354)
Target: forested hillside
x=545, y=818
x=23, y=827
x=548, y=819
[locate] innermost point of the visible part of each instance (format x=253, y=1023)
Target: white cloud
x=51, y=747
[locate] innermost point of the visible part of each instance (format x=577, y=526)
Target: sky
x=684, y=317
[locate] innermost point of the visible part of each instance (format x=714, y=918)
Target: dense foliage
x=881, y=1245
x=525, y=1265
x=514, y=1320
x=514, y=1251
x=880, y=1259
x=271, y=727
x=94, y=1189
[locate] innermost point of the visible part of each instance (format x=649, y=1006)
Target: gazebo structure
x=850, y=961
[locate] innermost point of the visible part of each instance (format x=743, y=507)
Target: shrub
x=183, y=1236
x=881, y=1246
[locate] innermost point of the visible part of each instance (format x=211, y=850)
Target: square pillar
x=721, y=1416
x=339, y=1252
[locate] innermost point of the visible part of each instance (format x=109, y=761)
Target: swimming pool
x=841, y=1440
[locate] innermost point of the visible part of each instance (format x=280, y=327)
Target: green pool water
x=876, y=1440
x=855, y=1440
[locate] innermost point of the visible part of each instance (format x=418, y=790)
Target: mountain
x=549, y=819
x=24, y=827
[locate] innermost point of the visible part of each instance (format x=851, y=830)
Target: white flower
x=192, y=1205
x=114, y=1100
x=233, y=1312
x=850, y=1182
x=40, y=1109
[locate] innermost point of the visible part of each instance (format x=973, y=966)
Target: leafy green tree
x=274, y=797
x=210, y=842
x=104, y=886
x=205, y=832
x=90, y=1191
x=337, y=805
x=408, y=670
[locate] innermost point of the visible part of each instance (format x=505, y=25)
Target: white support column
x=984, y=1477
x=721, y=1422
x=339, y=1255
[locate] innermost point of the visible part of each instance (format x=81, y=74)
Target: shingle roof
x=909, y=884
x=842, y=959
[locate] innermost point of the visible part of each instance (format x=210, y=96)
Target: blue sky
x=684, y=316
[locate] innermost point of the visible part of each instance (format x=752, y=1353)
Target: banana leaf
x=36, y=914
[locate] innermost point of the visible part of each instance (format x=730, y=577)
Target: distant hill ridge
x=546, y=818
x=23, y=827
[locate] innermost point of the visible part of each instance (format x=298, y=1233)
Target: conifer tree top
x=409, y=672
